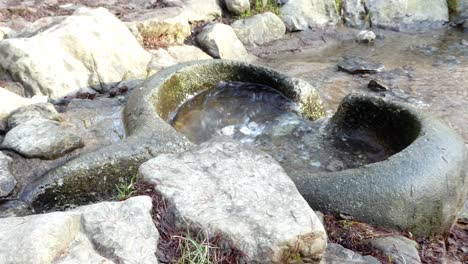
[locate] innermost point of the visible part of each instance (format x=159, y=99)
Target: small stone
x=365, y=36
x=7, y=180
x=27, y=113
x=224, y=187
x=42, y=138
x=356, y=65
x=399, y=248
x=336, y=254
x=237, y=7
x=377, y=86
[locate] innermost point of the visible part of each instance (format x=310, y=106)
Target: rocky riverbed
x=76, y=123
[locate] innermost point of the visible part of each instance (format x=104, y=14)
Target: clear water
x=262, y=117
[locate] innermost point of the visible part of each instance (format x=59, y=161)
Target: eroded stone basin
x=419, y=188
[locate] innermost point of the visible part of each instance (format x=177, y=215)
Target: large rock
x=259, y=29
x=407, y=15
x=354, y=13
x=9, y=102
x=336, y=254
x=168, y=24
x=42, y=138
x=399, y=249
x=163, y=58
x=223, y=187
x=110, y=232
x=91, y=48
x=27, y=113
x=7, y=180
x=202, y=10
x=302, y=14
x=237, y=7
x=220, y=41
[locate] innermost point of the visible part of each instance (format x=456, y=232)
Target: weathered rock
x=407, y=15
x=237, y=7
x=220, y=41
x=399, y=249
x=168, y=24
x=356, y=65
x=107, y=232
x=13, y=208
x=336, y=254
x=377, y=86
x=163, y=58
x=42, y=138
x=7, y=180
x=6, y=32
x=201, y=10
x=301, y=14
x=354, y=13
x=259, y=29
x=224, y=187
x=91, y=48
x=9, y=102
x=465, y=26
x=461, y=10
x=365, y=36
x=27, y=113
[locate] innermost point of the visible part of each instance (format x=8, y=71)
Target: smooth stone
x=337, y=254
x=299, y=15
x=9, y=102
x=27, y=113
x=224, y=187
x=399, y=249
x=220, y=41
x=7, y=180
x=356, y=65
x=365, y=36
x=237, y=7
x=259, y=29
x=42, y=138
x=107, y=232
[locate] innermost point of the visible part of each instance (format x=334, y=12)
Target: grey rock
x=220, y=41
x=224, y=187
x=91, y=48
x=14, y=208
x=27, y=113
x=462, y=9
x=336, y=254
x=398, y=248
x=42, y=138
x=354, y=13
x=259, y=29
x=9, y=102
x=7, y=180
x=377, y=86
x=302, y=14
x=407, y=15
x=357, y=65
x=464, y=42
x=172, y=55
x=237, y=7
x=365, y=36
x=463, y=216
x=108, y=232
x=465, y=25
x=202, y=10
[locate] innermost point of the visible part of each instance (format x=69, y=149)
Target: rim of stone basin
x=417, y=189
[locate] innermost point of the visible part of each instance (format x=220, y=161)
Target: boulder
x=9, y=102
x=302, y=14
x=407, y=15
x=220, y=41
x=201, y=10
x=27, y=113
x=223, y=187
x=237, y=7
x=336, y=254
x=165, y=24
x=163, y=58
x=109, y=232
x=354, y=13
x=399, y=249
x=7, y=180
x=42, y=138
x=91, y=48
x=365, y=36
x=259, y=29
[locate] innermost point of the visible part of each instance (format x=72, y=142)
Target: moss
x=338, y=7
x=256, y=7
x=453, y=8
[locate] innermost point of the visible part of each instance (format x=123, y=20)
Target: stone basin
x=419, y=189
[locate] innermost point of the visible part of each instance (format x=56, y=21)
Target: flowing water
x=262, y=117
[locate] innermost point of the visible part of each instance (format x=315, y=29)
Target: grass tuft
x=126, y=189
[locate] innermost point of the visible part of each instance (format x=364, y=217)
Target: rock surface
x=9, y=102
x=109, y=232
x=399, y=249
x=354, y=13
x=301, y=14
x=91, y=48
x=237, y=7
x=336, y=254
x=42, y=138
x=7, y=180
x=220, y=41
x=259, y=29
x=356, y=65
x=27, y=113
x=241, y=193
x=172, y=55
x=407, y=15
